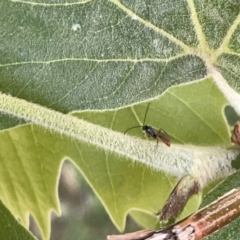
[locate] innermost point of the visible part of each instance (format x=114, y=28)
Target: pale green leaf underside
x=32, y=158
x=181, y=112
x=107, y=55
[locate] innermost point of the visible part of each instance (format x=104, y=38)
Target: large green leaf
x=31, y=170
x=60, y=60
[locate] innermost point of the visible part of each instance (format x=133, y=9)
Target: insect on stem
x=151, y=132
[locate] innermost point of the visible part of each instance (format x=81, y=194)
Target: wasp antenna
x=146, y=114
x=131, y=128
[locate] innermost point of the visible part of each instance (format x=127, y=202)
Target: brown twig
x=203, y=223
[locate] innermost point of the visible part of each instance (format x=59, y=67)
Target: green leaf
x=11, y=229
x=103, y=155
x=61, y=61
